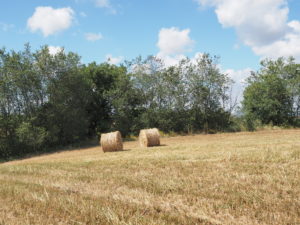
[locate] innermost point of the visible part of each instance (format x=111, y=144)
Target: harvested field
x=241, y=178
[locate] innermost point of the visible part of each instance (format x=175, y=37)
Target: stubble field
x=240, y=178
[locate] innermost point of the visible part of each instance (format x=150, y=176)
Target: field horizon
x=229, y=178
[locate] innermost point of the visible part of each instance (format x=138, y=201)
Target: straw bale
x=111, y=142
x=149, y=137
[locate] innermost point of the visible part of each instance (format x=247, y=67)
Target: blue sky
x=241, y=32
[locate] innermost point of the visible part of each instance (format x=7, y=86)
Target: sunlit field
x=239, y=178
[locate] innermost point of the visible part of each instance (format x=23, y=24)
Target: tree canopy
x=273, y=93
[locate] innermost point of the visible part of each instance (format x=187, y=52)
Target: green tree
x=272, y=94
x=126, y=105
x=102, y=80
x=31, y=137
x=64, y=113
x=43, y=100
x=188, y=96
x=209, y=94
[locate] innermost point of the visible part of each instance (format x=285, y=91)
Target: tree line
x=53, y=100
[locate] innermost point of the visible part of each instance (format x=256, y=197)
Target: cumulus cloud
x=170, y=60
x=289, y=45
x=173, y=43
x=295, y=25
x=262, y=25
x=239, y=78
x=93, y=36
x=49, y=20
x=53, y=50
x=256, y=22
x=113, y=60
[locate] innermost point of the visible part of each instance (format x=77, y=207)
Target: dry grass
x=243, y=178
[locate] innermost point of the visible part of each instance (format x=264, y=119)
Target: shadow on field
x=81, y=145
x=120, y=151
x=151, y=147
x=74, y=147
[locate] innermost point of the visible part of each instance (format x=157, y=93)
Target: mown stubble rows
x=242, y=178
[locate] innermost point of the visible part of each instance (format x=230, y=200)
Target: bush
x=30, y=138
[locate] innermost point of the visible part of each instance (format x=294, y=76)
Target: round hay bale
x=111, y=142
x=149, y=137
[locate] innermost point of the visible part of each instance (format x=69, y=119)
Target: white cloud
x=256, y=21
x=172, y=60
x=114, y=60
x=53, y=50
x=239, y=78
x=261, y=24
x=197, y=55
x=93, y=36
x=295, y=25
x=106, y=4
x=49, y=20
x=172, y=44
x=288, y=46
x=174, y=41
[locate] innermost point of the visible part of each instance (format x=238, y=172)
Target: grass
x=242, y=178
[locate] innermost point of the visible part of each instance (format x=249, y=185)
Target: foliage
x=272, y=95
x=30, y=137
x=100, y=78
x=190, y=96
x=43, y=100
x=47, y=100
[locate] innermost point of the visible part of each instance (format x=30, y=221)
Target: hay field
x=242, y=178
